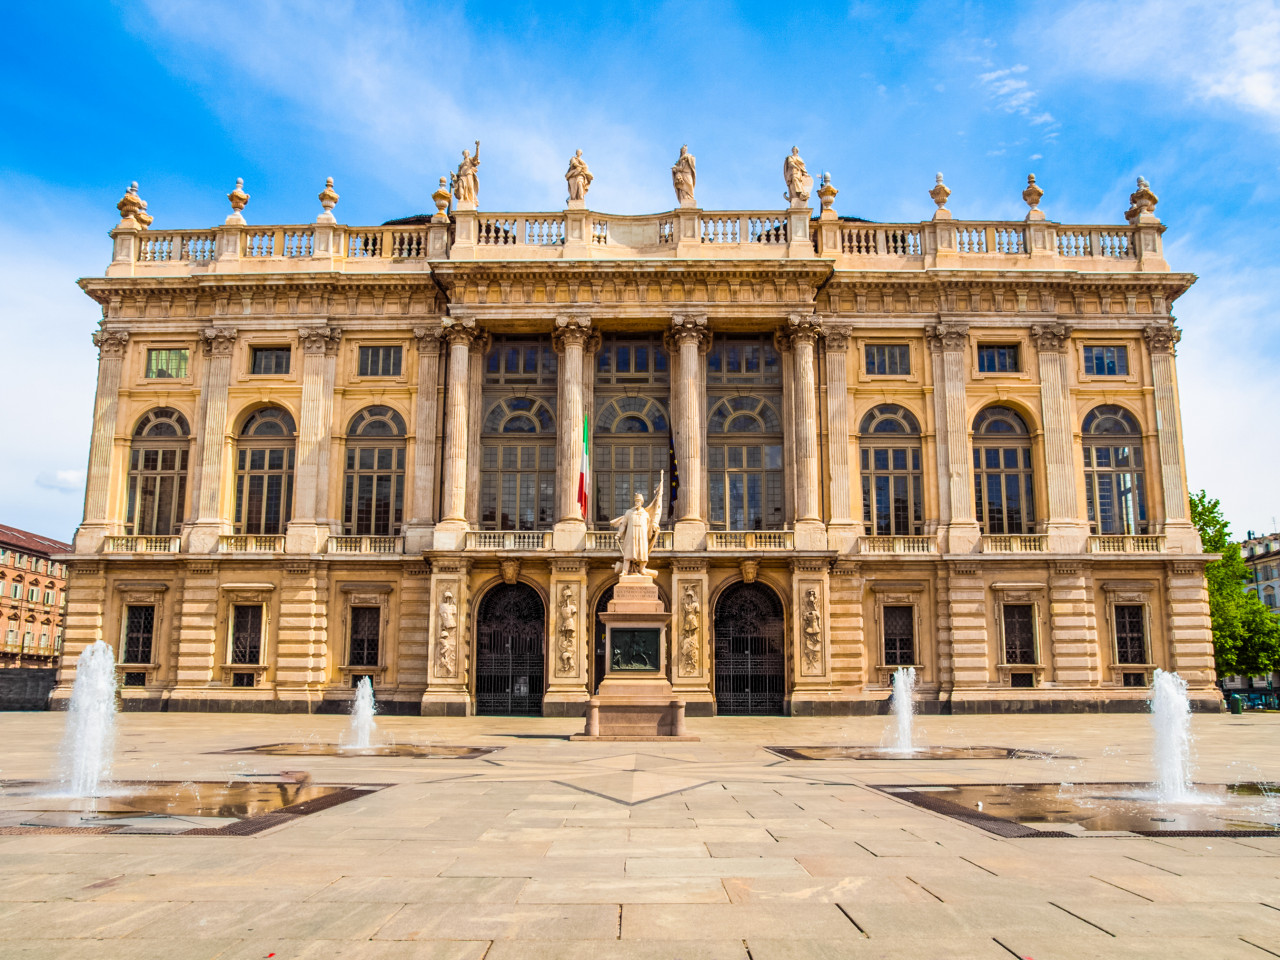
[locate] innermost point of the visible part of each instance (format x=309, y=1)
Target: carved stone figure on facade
x=684, y=177
x=638, y=532
x=799, y=183
x=466, y=182
x=578, y=177
x=812, y=631
x=448, y=620
x=568, y=631
x=690, y=609
x=1142, y=204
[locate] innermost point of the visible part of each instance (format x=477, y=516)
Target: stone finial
x=940, y=193
x=441, y=198
x=1031, y=196
x=238, y=200
x=328, y=198
x=1142, y=204
x=827, y=193
x=133, y=207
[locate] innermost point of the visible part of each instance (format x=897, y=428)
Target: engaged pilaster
x=841, y=532
x=569, y=340
x=111, y=346
x=452, y=528
x=1067, y=534
x=308, y=529
x=690, y=337
x=1162, y=341
x=948, y=342
x=418, y=530
x=210, y=522
x=803, y=333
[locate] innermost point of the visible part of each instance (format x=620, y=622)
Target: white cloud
x=61, y=481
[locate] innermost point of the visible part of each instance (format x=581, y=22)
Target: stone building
x=32, y=598
x=322, y=452
x=1261, y=554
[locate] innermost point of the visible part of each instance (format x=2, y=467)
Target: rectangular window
x=1019, y=633
x=243, y=679
x=246, y=633
x=888, y=359
x=365, y=624
x=270, y=361
x=1131, y=633
x=380, y=361
x=135, y=678
x=899, y=636
x=998, y=359
x=140, y=624
x=166, y=364
x=1106, y=361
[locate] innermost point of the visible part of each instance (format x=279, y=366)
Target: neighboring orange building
x=33, y=598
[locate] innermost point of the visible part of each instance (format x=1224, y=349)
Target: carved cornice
x=111, y=344
x=319, y=340
x=1162, y=337
x=947, y=336
x=218, y=341
x=1051, y=337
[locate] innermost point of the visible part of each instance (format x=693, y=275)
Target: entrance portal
x=510, y=658
x=750, y=662
x=598, y=660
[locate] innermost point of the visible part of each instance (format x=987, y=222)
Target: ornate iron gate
x=750, y=634
x=510, y=660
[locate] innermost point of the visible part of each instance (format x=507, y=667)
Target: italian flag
x=584, y=470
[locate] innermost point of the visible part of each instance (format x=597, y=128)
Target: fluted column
x=570, y=336
x=1066, y=530
x=804, y=332
x=689, y=335
x=219, y=346
x=948, y=341
x=1162, y=340
x=457, y=403
x=305, y=533
x=836, y=343
x=111, y=346
x=417, y=530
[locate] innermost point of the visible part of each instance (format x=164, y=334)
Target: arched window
x=1269, y=597
x=158, y=474
x=373, y=492
x=1115, y=491
x=744, y=464
x=264, y=472
x=518, y=465
x=1002, y=487
x=892, y=498
x=630, y=447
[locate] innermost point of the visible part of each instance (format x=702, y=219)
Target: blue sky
x=382, y=96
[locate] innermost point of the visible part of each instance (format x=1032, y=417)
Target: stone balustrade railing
x=364, y=545
x=251, y=543
x=141, y=544
x=751, y=540
x=508, y=540
x=606, y=541
x=1127, y=544
x=895, y=545
x=679, y=234
x=1015, y=543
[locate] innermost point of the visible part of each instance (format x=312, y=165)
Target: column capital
x=461, y=330
x=947, y=336
x=110, y=343
x=319, y=340
x=570, y=329
x=837, y=339
x=218, y=341
x=689, y=327
x=802, y=328
x=1051, y=337
x=1162, y=337
x=427, y=337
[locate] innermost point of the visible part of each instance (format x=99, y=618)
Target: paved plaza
x=716, y=849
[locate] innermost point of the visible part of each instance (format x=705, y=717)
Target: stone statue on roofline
x=466, y=182
x=684, y=177
x=799, y=183
x=638, y=532
x=578, y=177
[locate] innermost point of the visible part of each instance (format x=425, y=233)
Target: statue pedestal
x=635, y=701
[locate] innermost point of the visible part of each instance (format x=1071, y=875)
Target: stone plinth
x=635, y=701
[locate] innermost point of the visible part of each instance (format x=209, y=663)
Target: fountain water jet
x=89, y=739
x=903, y=708
x=362, y=724
x=1171, y=721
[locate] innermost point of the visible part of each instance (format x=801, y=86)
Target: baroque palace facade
x=324, y=452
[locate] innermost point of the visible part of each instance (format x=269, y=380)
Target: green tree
x=1246, y=636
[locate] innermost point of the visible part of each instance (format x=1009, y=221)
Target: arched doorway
x=598, y=659
x=510, y=658
x=750, y=633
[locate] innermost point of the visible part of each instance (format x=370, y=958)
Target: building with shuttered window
x=323, y=452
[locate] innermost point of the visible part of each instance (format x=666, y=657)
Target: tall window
x=246, y=633
x=139, y=627
x=1002, y=478
x=892, y=500
x=365, y=624
x=518, y=465
x=158, y=474
x=1131, y=633
x=373, y=493
x=264, y=472
x=1113, y=477
x=630, y=448
x=744, y=464
x=1019, y=632
x=899, y=636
